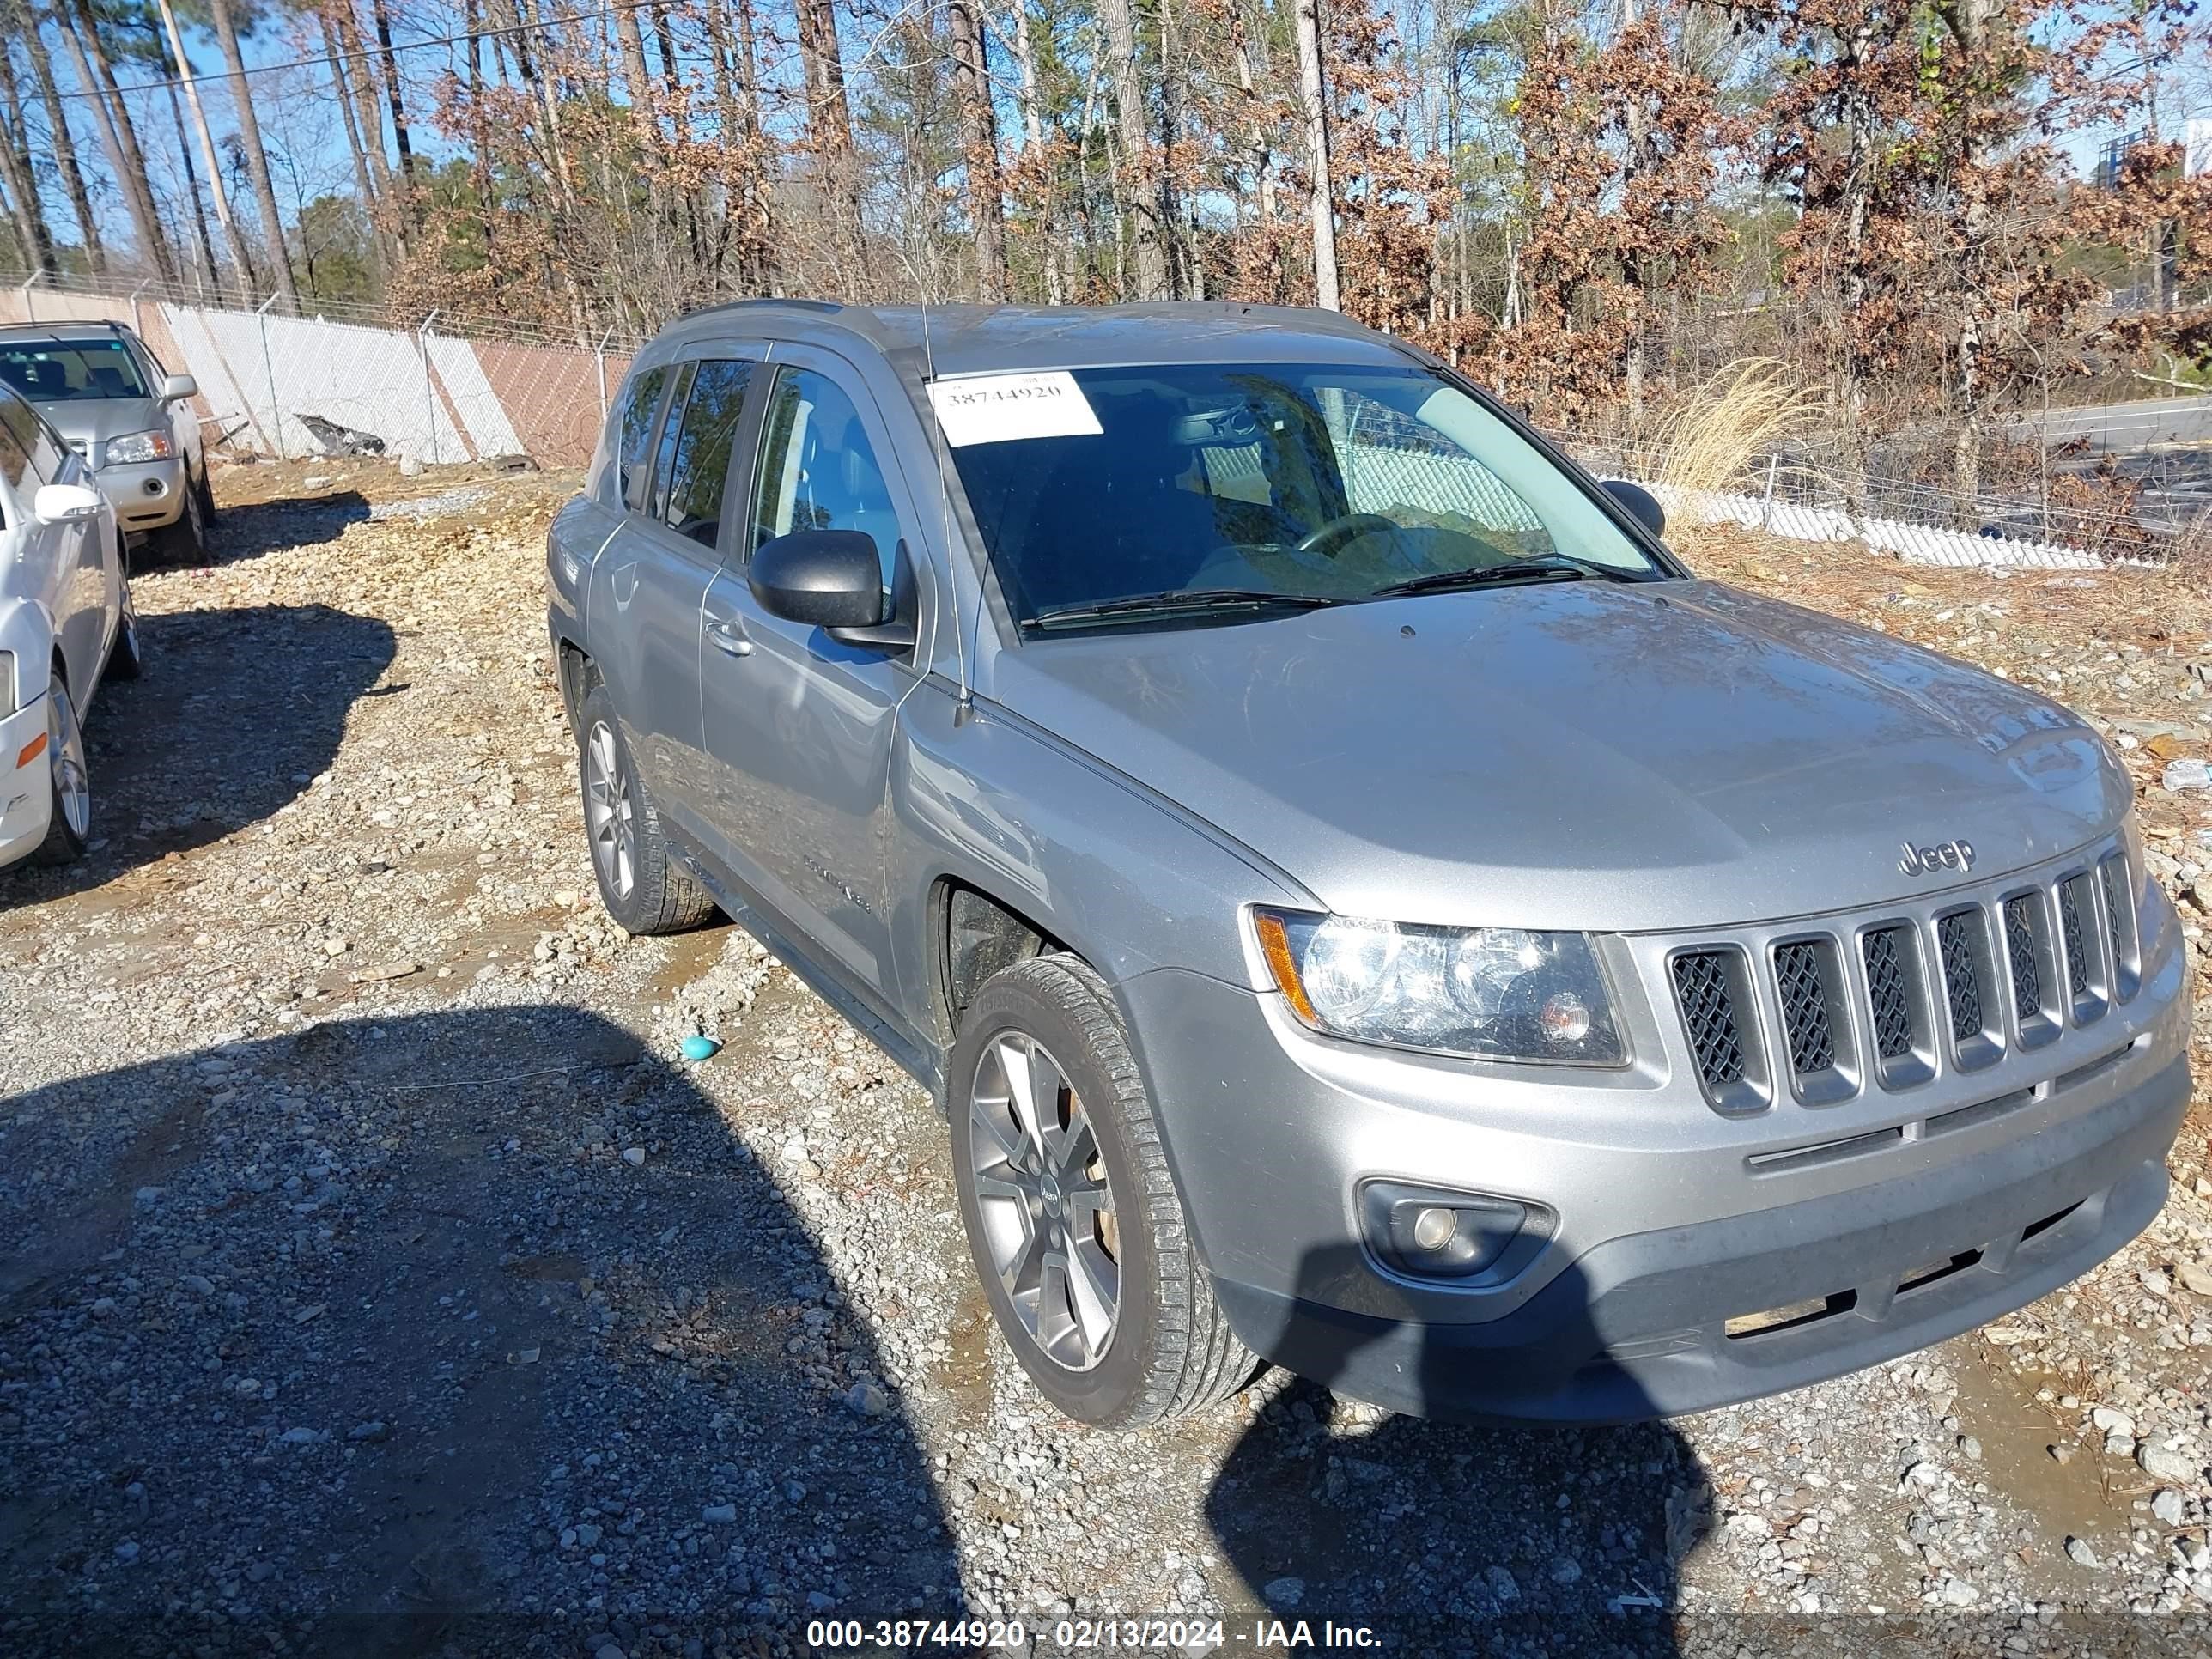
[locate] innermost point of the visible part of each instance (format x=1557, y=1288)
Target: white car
x=65, y=624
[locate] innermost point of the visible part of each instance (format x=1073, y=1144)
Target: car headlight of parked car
x=140, y=447
x=1500, y=993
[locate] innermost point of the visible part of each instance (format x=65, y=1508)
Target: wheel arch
x=28, y=635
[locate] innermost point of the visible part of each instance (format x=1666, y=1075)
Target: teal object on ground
x=701, y=1048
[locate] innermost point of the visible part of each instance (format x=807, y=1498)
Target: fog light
x=1435, y=1233
x=1433, y=1228
x=154, y=487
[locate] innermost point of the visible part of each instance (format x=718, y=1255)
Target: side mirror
x=177, y=387
x=1642, y=505
x=828, y=578
x=65, y=504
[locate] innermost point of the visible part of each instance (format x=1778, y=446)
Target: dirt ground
x=375, y=1276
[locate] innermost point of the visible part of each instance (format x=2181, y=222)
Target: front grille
x=2019, y=919
x=1701, y=984
x=2071, y=899
x=1962, y=979
x=1892, y=1004
x=2119, y=923
x=1804, y=1007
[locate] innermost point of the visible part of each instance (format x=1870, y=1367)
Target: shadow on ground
x=250, y=529
x=1531, y=1538
x=238, y=711
x=345, y=1341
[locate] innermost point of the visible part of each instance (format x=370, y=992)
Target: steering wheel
x=1331, y=538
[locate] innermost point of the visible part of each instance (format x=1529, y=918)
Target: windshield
x=56, y=371
x=1317, y=483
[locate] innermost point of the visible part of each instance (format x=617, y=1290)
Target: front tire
x=1072, y=1214
x=126, y=658
x=185, y=541
x=69, y=830
x=641, y=886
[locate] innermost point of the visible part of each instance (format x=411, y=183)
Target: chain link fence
x=466, y=388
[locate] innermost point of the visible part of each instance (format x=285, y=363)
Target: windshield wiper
x=1549, y=567
x=1182, y=598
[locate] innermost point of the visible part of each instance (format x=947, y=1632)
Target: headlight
x=1501, y=992
x=139, y=446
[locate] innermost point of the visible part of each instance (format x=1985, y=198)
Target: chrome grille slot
x=2120, y=931
x=2070, y=901
x=1804, y=992
x=2022, y=925
x=1828, y=1151
x=1962, y=979
x=1884, y=949
x=1702, y=982
x=1980, y=1112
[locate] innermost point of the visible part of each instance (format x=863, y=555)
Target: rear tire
x=641, y=886
x=69, y=831
x=1070, y=1194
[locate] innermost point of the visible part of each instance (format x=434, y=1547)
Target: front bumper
x=1666, y=1229
x=26, y=793
x=147, y=496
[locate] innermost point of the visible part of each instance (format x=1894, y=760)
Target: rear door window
x=701, y=469
x=634, y=434
x=36, y=455
x=15, y=453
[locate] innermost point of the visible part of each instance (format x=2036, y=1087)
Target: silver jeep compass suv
x=1362, y=904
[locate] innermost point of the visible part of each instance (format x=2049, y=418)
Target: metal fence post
x=269, y=373
x=599, y=359
x=30, y=304
x=429, y=389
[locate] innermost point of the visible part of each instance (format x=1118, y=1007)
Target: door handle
x=727, y=637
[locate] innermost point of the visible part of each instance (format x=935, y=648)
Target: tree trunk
x=480, y=160
x=979, y=137
x=1314, y=99
x=257, y=159
x=1974, y=22
x=1139, y=198
x=382, y=17
x=64, y=144
x=211, y=284
x=116, y=135
x=1858, y=192
x=380, y=252
x=830, y=123
x=390, y=198
x=233, y=244
x=32, y=230
x=1026, y=101
x=1183, y=280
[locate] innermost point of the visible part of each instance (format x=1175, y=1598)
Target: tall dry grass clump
x=1716, y=439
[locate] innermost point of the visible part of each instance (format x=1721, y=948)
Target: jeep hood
x=1601, y=756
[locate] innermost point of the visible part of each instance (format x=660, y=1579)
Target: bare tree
x=1138, y=198
x=32, y=230
x=63, y=141
x=241, y=267
x=73, y=18
x=986, y=204
x=257, y=158
x=1313, y=98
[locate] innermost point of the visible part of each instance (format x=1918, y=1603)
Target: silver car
x=129, y=418
x=1361, y=902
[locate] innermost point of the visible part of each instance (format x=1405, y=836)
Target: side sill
x=921, y=1062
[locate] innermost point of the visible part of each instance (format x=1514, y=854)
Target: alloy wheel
x=609, y=811
x=65, y=752
x=1045, y=1201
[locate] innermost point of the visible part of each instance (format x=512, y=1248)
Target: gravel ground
x=377, y=1278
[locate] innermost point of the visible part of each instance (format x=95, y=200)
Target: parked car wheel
x=184, y=541
x=70, y=828
x=641, y=889
x=1072, y=1214
x=204, y=492
x=126, y=658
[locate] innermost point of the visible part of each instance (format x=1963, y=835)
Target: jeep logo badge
x=1944, y=856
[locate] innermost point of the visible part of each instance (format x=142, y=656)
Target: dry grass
x=1712, y=440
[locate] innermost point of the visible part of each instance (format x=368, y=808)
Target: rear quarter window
x=634, y=434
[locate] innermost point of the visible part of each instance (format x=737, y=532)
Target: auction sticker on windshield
x=989, y=408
